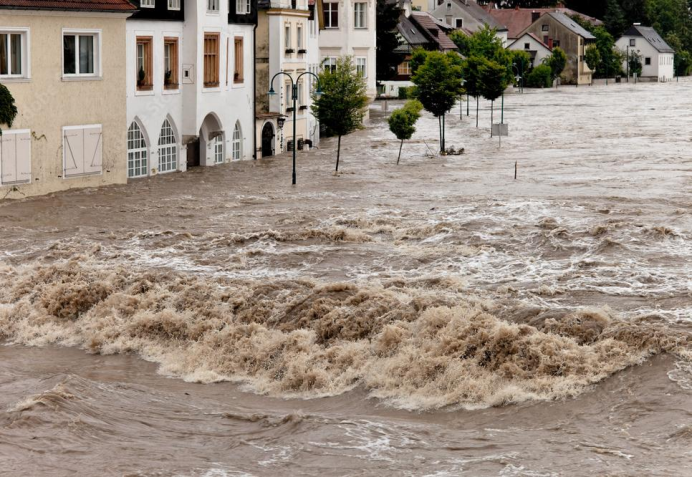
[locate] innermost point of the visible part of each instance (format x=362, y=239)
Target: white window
x=15, y=157
x=213, y=5
x=136, y=152
x=287, y=36
x=288, y=98
x=299, y=36
x=242, y=7
x=174, y=4
x=237, y=142
x=13, y=54
x=331, y=15
x=359, y=10
x=148, y=3
x=329, y=64
x=217, y=145
x=80, y=54
x=82, y=150
x=168, y=149
x=360, y=67
x=300, y=93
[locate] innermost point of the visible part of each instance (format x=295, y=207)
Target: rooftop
x=70, y=5
x=519, y=19
x=651, y=36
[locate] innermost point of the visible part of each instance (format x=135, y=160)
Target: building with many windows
x=63, y=63
x=349, y=29
x=190, y=84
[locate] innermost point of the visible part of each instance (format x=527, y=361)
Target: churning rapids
x=432, y=318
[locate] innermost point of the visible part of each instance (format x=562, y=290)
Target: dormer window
x=147, y=3
x=242, y=7
x=174, y=4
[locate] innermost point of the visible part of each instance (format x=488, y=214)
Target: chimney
x=535, y=16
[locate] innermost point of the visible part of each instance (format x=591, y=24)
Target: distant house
x=419, y=30
x=559, y=30
x=466, y=15
x=533, y=45
x=519, y=19
x=657, y=57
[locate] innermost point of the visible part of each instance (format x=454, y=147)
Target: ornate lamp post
x=294, y=94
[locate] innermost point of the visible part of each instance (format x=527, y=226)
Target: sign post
x=501, y=129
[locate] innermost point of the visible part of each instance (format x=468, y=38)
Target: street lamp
x=461, y=101
x=294, y=94
x=520, y=75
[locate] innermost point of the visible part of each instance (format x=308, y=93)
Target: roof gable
x=434, y=30
x=651, y=36
x=519, y=19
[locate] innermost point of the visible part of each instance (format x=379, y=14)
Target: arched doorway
x=211, y=139
x=268, y=140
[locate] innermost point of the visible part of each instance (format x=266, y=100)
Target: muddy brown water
x=432, y=318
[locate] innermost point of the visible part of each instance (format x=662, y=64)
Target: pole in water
x=515, y=170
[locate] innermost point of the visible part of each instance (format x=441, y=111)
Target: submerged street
x=437, y=317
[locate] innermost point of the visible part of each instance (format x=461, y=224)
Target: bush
x=8, y=111
x=540, y=77
x=405, y=92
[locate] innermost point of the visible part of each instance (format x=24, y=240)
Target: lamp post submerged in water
x=294, y=97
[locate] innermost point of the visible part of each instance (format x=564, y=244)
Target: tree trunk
x=400, y=146
x=444, y=142
x=477, y=112
x=439, y=125
x=338, y=153
x=492, y=106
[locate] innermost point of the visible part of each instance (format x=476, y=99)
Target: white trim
x=16, y=131
x=98, y=33
x=173, y=9
x=64, y=164
x=152, y=5
x=26, y=54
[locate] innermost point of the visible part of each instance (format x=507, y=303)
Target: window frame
x=238, y=60
x=168, y=150
x=363, y=13
x=237, y=141
x=246, y=7
x=217, y=145
x=327, y=14
x=174, y=85
x=147, y=4
x=329, y=62
x=404, y=68
x=148, y=49
x=172, y=7
x=364, y=65
x=216, y=63
x=77, y=33
x=647, y=61
x=25, y=53
x=213, y=3
x=142, y=151
x=458, y=22
x=545, y=28
x=633, y=42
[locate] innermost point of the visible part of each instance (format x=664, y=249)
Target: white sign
x=501, y=129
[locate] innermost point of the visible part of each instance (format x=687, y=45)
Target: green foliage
x=493, y=80
x=405, y=92
x=461, y=40
x=592, y=58
x=521, y=62
x=540, y=77
x=8, y=110
x=402, y=121
x=438, y=82
x=614, y=19
x=417, y=59
x=471, y=71
x=635, y=63
x=557, y=62
x=387, y=18
x=683, y=59
x=610, y=58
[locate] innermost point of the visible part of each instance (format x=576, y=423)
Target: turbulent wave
x=417, y=344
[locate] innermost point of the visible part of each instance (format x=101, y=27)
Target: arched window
x=217, y=143
x=136, y=152
x=237, y=142
x=168, y=149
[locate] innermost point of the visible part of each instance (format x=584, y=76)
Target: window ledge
x=14, y=80
x=171, y=91
x=82, y=78
x=211, y=89
x=144, y=93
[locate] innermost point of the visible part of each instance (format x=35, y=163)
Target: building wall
x=347, y=40
x=47, y=102
x=662, y=64
x=541, y=51
x=573, y=45
x=151, y=108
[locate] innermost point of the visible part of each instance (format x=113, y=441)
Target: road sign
x=501, y=129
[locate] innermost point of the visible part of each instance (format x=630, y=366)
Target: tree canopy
x=387, y=18
x=402, y=122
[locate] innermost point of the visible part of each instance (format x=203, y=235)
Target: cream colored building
x=65, y=69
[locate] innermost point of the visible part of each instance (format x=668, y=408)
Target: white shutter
x=24, y=157
x=93, y=150
x=15, y=157
x=8, y=154
x=73, y=152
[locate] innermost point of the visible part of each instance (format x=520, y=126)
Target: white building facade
x=658, y=59
x=190, y=84
x=531, y=44
x=349, y=29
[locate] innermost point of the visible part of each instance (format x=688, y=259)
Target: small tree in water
x=438, y=85
x=8, y=111
x=341, y=105
x=402, y=122
x=493, y=82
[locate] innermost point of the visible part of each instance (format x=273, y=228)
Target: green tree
x=8, y=110
x=557, y=62
x=342, y=103
x=635, y=63
x=521, y=64
x=614, y=19
x=402, y=122
x=611, y=57
x=386, y=19
x=493, y=78
x=592, y=58
x=471, y=72
x=438, y=85
x=540, y=77
x=683, y=59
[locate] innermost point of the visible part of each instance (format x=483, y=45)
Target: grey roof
x=410, y=32
x=572, y=25
x=480, y=14
x=651, y=36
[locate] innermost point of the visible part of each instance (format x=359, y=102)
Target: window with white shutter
x=15, y=157
x=82, y=150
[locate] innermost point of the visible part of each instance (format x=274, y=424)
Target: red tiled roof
x=73, y=5
x=519, y=19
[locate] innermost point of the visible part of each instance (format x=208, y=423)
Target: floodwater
x=434, y=318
